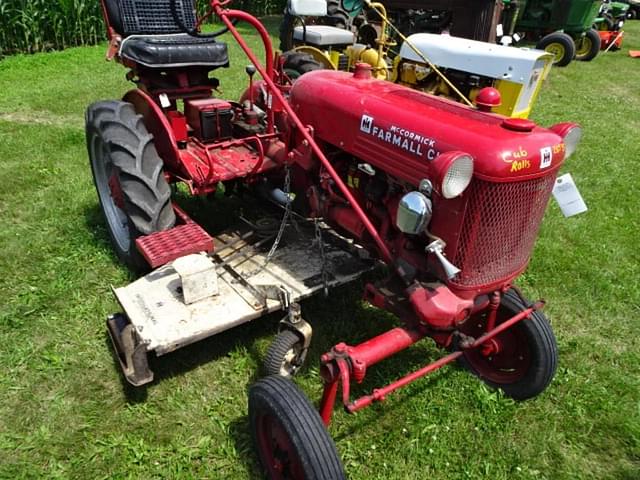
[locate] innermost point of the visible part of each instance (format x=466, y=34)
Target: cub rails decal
x=519, y=159
x=405, y=139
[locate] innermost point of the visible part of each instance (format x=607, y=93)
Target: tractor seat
x=323, y=35
x=174, y=50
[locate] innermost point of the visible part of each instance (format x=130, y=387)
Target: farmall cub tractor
x=450, y=198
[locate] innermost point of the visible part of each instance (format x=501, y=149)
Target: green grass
x=66, y=413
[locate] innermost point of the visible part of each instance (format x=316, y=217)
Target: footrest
x=162, y=247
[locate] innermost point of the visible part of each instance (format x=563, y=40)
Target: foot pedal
x=163, y=247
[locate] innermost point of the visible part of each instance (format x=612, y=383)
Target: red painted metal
x=487, y=98
x=159, y=126
x=375, y=352
x=267, y=75
x=401, y=131
x=496, y=233
x=379, y=394
x=178, y=124
x=160, y=248
x=283, y=460
x=383, y=346
x=438, y=307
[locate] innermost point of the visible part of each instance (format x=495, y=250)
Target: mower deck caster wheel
x=127, y=171
x=285, y=355
x=560, y=45
x=526, y=354
x=288, y=433
x=588, y=47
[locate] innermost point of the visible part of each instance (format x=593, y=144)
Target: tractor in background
x=448, y=197
x=563, y=28
x=503, y=79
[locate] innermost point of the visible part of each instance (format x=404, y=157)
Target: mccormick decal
x=407, y=140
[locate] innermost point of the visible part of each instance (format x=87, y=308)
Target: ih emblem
x=366, y=123
x=545, y=157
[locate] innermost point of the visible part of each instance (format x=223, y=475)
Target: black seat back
x=151, y=17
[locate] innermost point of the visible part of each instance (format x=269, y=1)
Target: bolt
x=340, y=348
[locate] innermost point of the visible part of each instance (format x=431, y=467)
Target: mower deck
x=248, y=287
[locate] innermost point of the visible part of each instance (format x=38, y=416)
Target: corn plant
x=39, y=25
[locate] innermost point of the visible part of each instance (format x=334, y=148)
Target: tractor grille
x=156, y=16
x=500, y=227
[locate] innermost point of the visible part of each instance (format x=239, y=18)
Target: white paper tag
x=568, y=197
x=164, y=100
x=499, y=30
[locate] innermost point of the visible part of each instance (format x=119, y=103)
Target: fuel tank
x=401, y=131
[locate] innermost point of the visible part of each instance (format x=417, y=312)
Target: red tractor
x=449, y=197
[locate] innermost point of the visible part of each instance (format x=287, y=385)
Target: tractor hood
x=402, y=131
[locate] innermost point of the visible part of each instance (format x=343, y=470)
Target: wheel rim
x=513, y=360
x=110, y=193
x=290, y=362
x=279, y=454
x=583, y=47
x=557, y=50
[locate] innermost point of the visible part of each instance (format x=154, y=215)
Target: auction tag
x=568, y=197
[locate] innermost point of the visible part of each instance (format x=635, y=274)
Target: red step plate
x=163, y=247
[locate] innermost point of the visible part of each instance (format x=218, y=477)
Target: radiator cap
x=518, y=124
x=362, y=71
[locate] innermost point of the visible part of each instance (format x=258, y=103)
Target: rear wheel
x=127, y=172
x=525, y=356
x=632, y=14
x=297, y=64
x=560, y=45
x=588, y=47
x=291, y=440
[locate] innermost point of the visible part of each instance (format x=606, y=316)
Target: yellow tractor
x=319, y=37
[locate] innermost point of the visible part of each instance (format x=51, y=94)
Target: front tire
x=127, y=172
x=588, y=47
x=527, y=357
x=560, y=45
x=288, y=433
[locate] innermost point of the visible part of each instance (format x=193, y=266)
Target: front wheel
x=588, y=47
x=560, y=45
x=291, y=440
x=526, y=355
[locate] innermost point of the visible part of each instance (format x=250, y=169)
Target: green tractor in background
x=634, y=9
x=561, y=27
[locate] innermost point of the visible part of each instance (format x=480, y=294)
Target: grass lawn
x=65, y=412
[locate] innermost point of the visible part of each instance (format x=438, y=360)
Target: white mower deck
x=157, y=318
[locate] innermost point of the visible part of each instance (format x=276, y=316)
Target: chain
x=285, y=216
x=318, y=238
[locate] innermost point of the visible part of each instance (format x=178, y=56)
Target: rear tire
x=127, y=172
x=297, y=64
x=288, y=433
x=560, y=45
x=588, y=47
x=528, y=357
